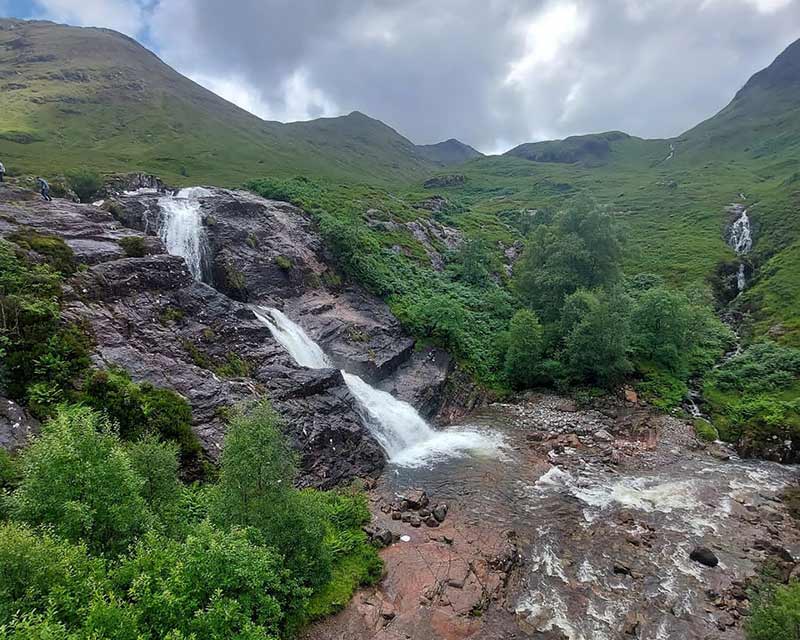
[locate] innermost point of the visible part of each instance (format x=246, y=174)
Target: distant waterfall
x=181, y=227
x=740, y=239
x=405, y=436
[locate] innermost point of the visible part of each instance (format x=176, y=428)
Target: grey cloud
x=435, y=70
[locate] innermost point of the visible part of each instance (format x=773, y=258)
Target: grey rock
x=17, y=426
x=704, y=556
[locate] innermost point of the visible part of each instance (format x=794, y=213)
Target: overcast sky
x=492, y=73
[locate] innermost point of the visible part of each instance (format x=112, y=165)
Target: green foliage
x=283, y=262
x=140, y=409
x=39, y=356
x=211, y=586
x=596, y=336
x=255, y=491
x=661, y=323
x=525, y=347
x=776, y=614
x=45, y=573
x=705, y=430
x=53, y=250
x=753, y=398
x=78, y=479
x=85, y=183
x=581, y=249
x=133, y=246
x=156, y=463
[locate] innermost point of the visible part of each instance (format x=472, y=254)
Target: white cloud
x=546, y=37
x=127, y=16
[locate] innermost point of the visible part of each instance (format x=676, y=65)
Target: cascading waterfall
x=740, y=240
x=405, y=436
x=181, y=227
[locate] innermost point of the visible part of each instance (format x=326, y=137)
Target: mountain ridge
x=92, y=96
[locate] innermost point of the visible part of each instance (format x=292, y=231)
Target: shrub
x=283, y=263
x=86, y=183
x=525, y=347
x=78, y=479
x=55, y=251
x=217, y=584
x=141, y=409
x=41, y=572
x=776, y=614
x=705, y=430
x=133, y=246
x=255, y=490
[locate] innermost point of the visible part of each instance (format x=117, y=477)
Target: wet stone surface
x=581, y=528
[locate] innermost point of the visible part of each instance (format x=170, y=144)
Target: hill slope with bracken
x=94, y=97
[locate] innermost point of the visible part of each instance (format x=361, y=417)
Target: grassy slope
x=673, y=210
x=72, y=96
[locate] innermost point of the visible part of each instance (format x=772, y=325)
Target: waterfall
x=181, y=227
x=405, y=436
x=740, y=239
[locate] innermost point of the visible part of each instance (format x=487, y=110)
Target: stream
x=601, y=508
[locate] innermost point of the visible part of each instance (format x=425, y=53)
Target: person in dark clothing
x=44, y=188
x=2, y=172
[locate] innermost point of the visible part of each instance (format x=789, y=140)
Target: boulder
x=704, y=556
x=440, y=512
x=17, y=426
x=416, y=499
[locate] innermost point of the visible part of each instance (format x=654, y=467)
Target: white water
x=181, y=227
x=408, y=440
x=740, y=239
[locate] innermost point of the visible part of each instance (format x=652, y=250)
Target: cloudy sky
x=492, y=73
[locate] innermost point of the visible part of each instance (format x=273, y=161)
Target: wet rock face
x=268, y=253
x=150, y=317
x=17, y=426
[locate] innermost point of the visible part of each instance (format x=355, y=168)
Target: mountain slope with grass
x=79, y=96
x=672, y=197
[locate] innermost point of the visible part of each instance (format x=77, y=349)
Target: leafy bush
x=85, y=182
x=141, y=409
x=595, y=326
x=525, y=347
x=776, y=614
x=283, y=262
x=133, y=246
x=78, y=479
x=42, y=572
x=255, y=491
x=39, y=356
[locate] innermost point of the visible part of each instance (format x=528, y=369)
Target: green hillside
x=94, y=97
x=670, y=195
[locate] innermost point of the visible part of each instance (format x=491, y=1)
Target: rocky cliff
x=149, y=316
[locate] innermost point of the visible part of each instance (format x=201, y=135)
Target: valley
x=312, y=380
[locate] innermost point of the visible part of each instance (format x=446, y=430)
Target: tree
x=580, y=249
x=255, y=490
x=85, y=183
x=216, y=584
x=156, y=463
x=660, y=328
x=525, y=346
x=78, y=479
x=596, y=329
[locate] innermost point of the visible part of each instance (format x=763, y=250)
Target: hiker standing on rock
x=2, y=172
x=45, y=188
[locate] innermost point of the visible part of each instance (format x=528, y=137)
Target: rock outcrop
x=17, y=427
x=149, y=316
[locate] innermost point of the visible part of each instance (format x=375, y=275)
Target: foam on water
x=181, y=227
x=409, y=441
